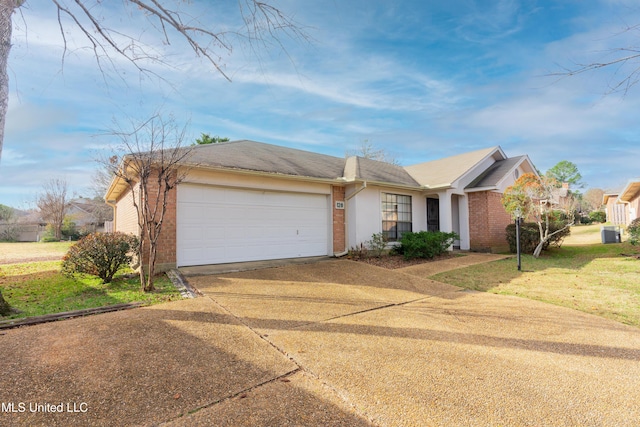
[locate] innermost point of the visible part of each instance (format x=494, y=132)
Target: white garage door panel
x=218, y=225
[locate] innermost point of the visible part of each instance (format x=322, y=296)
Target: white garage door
x=220, y=225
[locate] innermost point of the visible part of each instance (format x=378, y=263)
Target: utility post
x=518, y=213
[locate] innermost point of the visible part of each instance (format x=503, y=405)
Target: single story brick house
x=623, y=206
x=247, y=201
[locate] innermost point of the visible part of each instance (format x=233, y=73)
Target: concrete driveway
x=399, y=349
x=329, y=343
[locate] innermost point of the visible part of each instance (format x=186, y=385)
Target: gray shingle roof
x=245, y=155
x=373, y=170
x=495, y=173
x=258, y=156
x=261, y=157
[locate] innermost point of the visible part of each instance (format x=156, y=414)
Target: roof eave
x=478, y=189
x=337, y=180
x=629, y=192
x=383, y=184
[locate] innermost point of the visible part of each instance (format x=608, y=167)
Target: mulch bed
x=393, y=262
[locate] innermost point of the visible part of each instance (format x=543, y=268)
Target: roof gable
x=631, y=191
x=377, y=171
x=444, y=172
x=496, y=173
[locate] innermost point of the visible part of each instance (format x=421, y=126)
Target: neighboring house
x=89, y=215
x=25, y=226
x=623, y=206
x=247, y=201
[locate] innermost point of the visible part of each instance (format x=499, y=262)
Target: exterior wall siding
x=368, y=219
x=634, y=208
x=487, y=222
x=126, y=218
x=126, y=221
x=617, y=213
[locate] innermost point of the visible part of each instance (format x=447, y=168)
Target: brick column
x=339, y=241
x=166, y=252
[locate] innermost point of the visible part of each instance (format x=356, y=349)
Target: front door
x=433, y=214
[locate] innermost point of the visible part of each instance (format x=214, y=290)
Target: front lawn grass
x=38, y=288
x=11, y=252
x=594, y=278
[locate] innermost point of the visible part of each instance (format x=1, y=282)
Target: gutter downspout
x=346, y=216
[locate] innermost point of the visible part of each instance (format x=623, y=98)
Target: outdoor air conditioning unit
x=610, y=234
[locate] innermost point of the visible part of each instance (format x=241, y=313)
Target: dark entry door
x=433, y=214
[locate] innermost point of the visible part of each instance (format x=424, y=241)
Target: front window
x=396, y=215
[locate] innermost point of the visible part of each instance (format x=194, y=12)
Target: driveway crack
x=299, y=366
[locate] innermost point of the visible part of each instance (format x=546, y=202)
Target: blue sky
x=421, y=79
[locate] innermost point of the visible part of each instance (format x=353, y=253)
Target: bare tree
x=52, y=203
x=263, y=25
x=152, y=168
x=369, y=151
x=6, y=10
x=104, y=174
x=593, y=199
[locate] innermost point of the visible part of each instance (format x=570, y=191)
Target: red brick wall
x=487, y=222
x=166, y=252
x=339, y=242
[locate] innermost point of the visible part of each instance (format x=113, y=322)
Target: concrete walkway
x=328, y=343
x=430, y=268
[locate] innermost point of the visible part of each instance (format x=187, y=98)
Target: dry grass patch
x=32, y=251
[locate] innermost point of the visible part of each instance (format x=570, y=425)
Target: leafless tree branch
x=152, y=167
x=625, y=65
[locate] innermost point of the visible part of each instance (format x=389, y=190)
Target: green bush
x=378, y=244
x=100, y=254
x=49, y=235
x=425, y=244
x=530, y=236
x=634, y=231
x=69, y=230
x=598, y=216
x=585, y=220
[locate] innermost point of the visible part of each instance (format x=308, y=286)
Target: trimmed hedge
x=530, y=236
x=100, y=254
x=598, y=216
x=425, y=244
